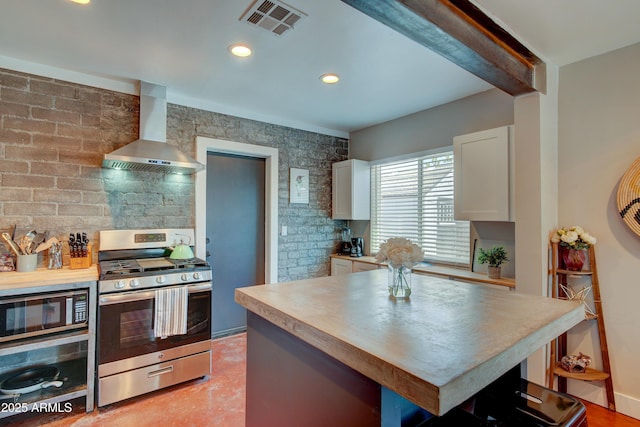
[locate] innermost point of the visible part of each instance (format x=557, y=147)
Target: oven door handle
x=123, y=297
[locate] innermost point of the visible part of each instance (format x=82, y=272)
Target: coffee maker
x=345, y=245
x=357, y=246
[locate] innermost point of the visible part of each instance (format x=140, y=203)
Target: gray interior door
x=235, y=234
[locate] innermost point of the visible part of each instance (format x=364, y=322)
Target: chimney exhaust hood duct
x=151, y=153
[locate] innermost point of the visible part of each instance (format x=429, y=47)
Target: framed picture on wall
x=298, y=185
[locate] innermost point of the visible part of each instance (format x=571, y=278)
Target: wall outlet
x=284, y=230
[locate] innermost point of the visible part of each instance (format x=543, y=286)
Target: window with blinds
x=413, y=198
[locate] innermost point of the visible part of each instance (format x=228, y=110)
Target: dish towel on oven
x=171, y=311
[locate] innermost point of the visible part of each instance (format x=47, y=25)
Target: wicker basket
x=494, y=272
x=629, y=197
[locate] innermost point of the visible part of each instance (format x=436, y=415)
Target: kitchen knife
x=72, y=245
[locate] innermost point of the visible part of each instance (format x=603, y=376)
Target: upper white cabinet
x=351, y=190
x=483, y=175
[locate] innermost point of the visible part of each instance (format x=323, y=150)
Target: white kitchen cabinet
x=484, y=175
x=363, y=266
x=351, y=190
x=340, y=266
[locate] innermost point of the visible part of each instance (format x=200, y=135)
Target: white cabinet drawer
x=362, y=266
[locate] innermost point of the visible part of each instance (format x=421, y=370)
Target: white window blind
x=413, y=198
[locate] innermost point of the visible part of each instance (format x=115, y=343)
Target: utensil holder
x=55, y=256
x=27, y=263
x=81, y=262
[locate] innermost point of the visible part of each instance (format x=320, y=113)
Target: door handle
x=125, y=297
x=159, y=372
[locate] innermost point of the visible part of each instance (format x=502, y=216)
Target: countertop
x=441, y=271
x=12, y=281
x=436, y=349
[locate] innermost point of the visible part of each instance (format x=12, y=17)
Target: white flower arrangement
x=573, y=238
x=400, y=252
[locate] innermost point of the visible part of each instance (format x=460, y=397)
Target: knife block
x=76, y=263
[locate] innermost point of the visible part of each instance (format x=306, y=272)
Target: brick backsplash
x=53, y=135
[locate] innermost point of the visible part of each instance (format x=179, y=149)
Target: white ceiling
x=183, y=45
x=567, y=31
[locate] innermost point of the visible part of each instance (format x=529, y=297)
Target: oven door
x=126, y=323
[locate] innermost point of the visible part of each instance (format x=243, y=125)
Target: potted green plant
x=494, y=257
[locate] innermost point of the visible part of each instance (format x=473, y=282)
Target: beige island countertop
x=436, y=349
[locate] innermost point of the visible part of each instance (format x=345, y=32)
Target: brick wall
x=53, y=135
x=52, y=138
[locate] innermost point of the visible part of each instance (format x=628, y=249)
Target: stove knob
x=134, y=283
x=119, y=284
x=160, y=279
x=196, y=276
x=184, y=277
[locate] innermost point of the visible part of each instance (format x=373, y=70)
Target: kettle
x=181, y=251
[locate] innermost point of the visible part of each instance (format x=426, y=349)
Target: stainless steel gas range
x=154, y=313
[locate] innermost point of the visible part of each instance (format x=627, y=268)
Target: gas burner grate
x=121, y=266
x=189, y=263
x=148, y=266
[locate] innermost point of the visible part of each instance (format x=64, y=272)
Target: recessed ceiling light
x=240, y=50
x=81, y=1
x=330, y=78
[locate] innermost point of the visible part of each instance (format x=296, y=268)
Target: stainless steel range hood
x=151, y=153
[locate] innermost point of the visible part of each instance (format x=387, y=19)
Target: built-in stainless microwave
x=31, y=315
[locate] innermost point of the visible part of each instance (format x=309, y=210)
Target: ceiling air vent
x=274, y=16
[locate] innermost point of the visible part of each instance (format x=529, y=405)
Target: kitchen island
x=336, y=350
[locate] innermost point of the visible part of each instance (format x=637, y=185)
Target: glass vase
x=399, y=282
x=573, y=258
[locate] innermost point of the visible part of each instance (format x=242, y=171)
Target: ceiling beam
x=462, y=33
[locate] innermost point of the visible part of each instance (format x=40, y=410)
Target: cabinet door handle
x=162, y=371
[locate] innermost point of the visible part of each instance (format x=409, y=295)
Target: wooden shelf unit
x=559, y=278
x=589, y=375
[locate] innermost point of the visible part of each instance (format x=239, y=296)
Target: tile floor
x=218, y=401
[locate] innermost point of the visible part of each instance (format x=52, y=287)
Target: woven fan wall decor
x=629, y=197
